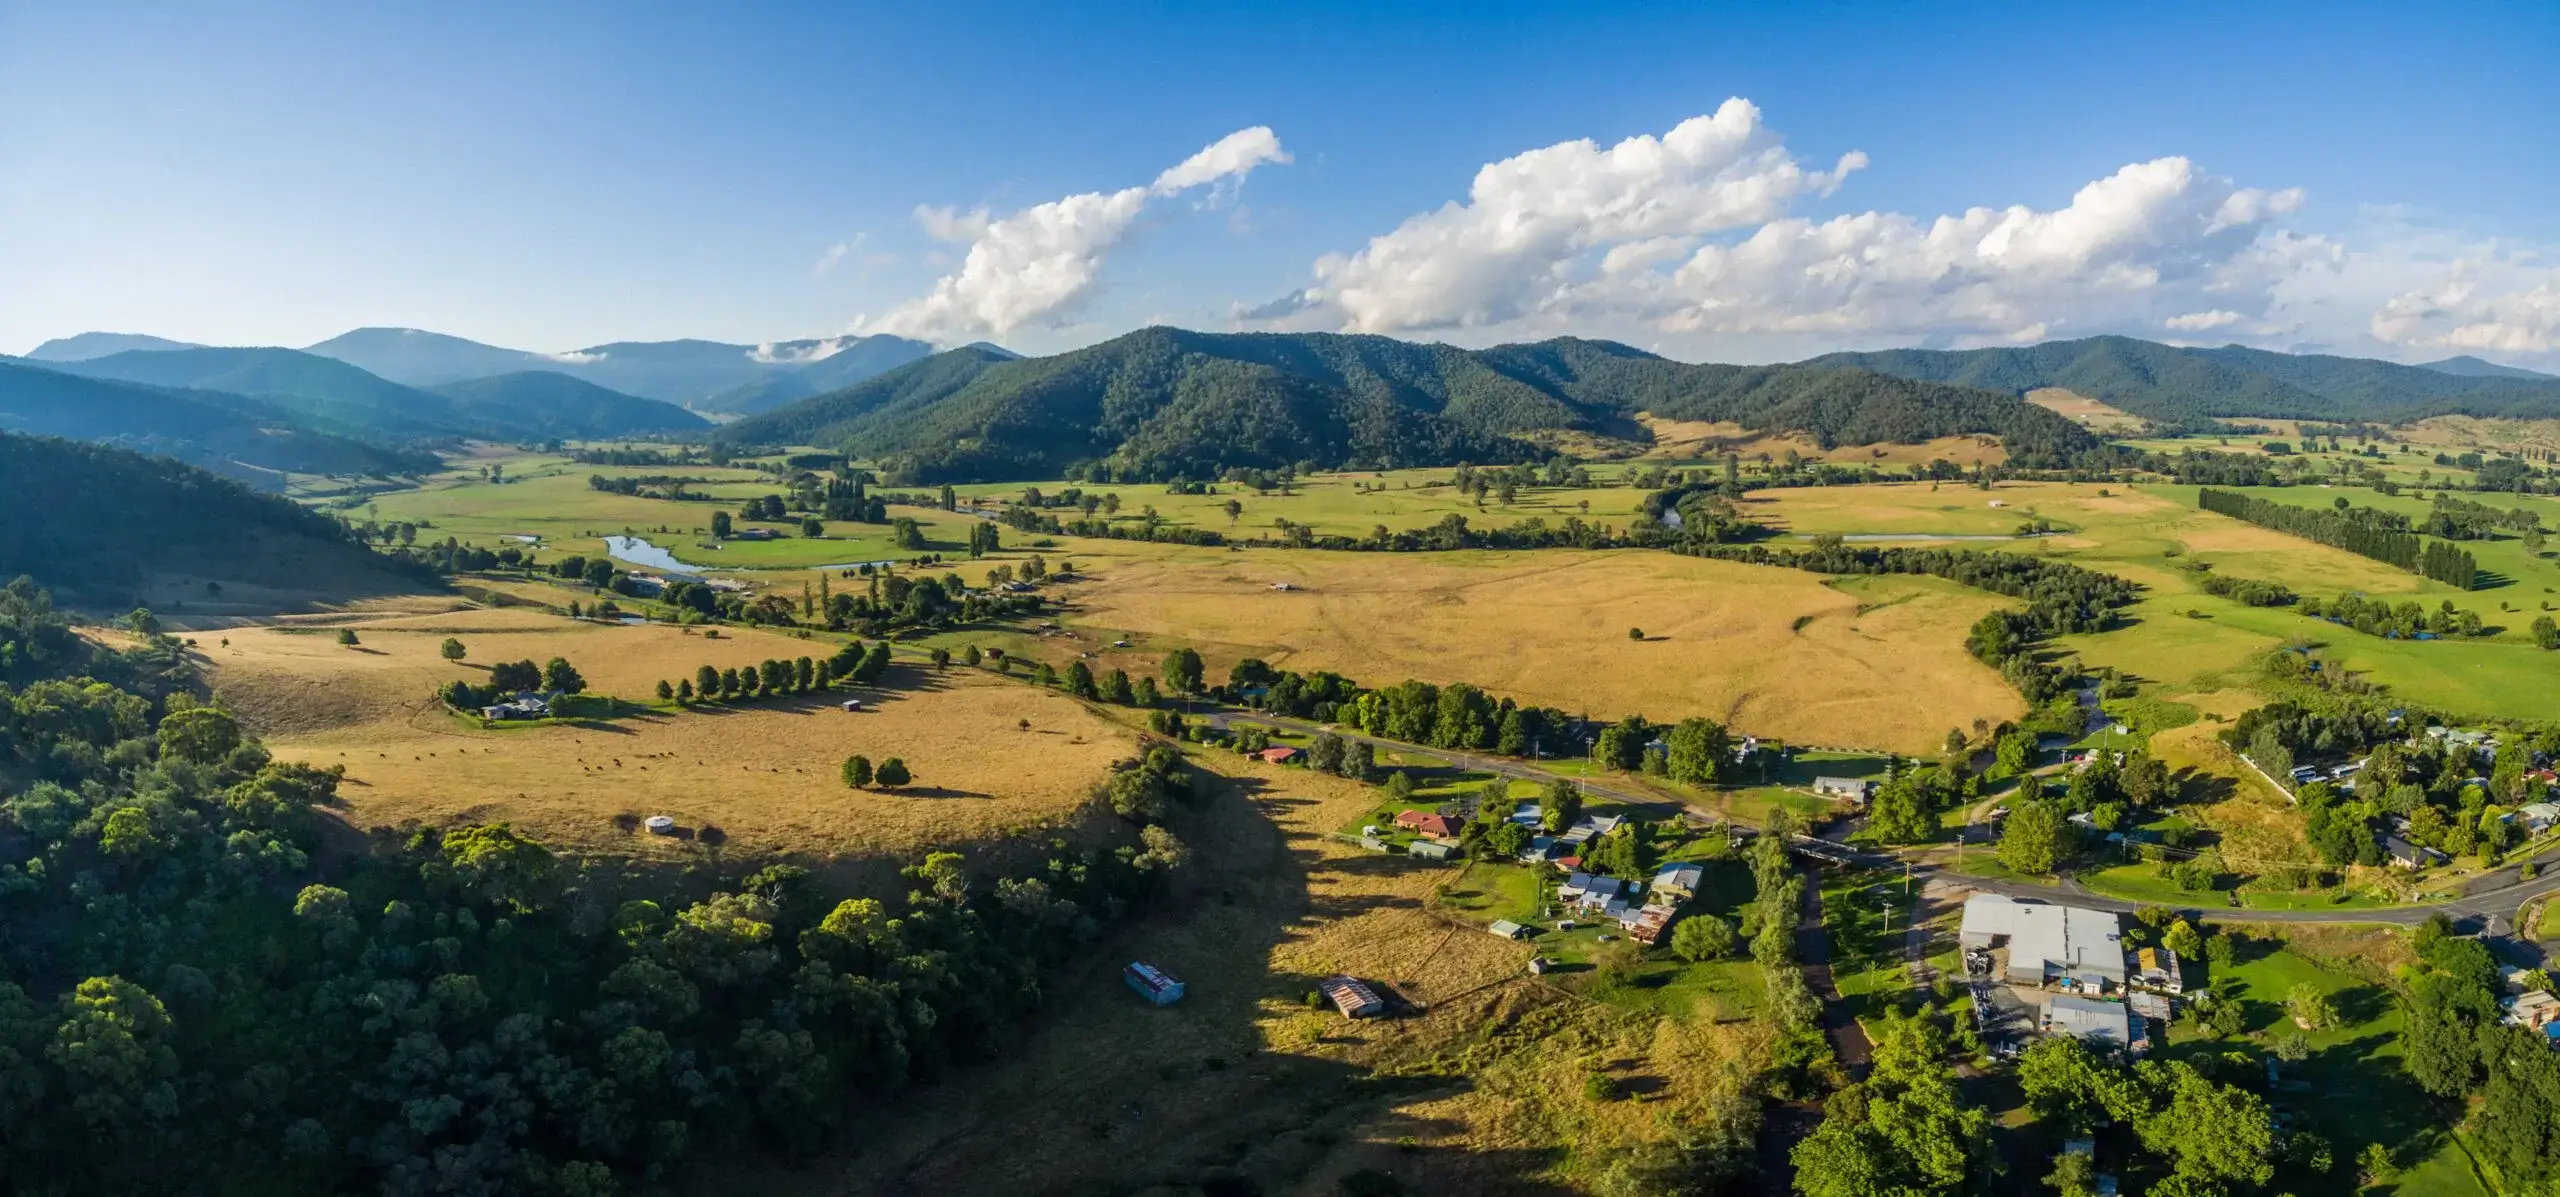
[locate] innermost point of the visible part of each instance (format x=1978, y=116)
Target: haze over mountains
x=707, y=376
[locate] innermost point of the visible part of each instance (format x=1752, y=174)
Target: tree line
x=2364, y=531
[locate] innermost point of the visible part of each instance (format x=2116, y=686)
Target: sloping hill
x=417, y=358
x=118, y=527
x=1165, y=402
x=547, y=400
x=2167, y=383
x=806, y=368
x=347, y=399
x=218, y=432
x=83, y=346
x=2467, y=366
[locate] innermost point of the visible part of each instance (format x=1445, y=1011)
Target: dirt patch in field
x=1690, y=439
x=2092, y=414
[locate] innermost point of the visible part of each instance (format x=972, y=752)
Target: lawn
x=2351, y=1088
x=1867, y=914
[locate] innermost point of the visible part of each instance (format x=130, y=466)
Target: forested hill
x=341, y=398
x=108, y=524
x=2167, y=383
x=223, y=433
x=1163, y=402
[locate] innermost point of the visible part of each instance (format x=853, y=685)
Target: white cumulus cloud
x=2480, y=305
x=1691, y=235
x=1036, y=264
x=2203, y=321
x=1530, y=222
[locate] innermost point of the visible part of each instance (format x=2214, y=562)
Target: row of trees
x=2366, y=531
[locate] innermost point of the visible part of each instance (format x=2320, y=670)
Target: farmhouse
x=2537, y=817
x=1586, y=889
x=1539, y=849
x=2094, y=1021
x=2410, y=856
x=1437, y=826
x=522, y=706
x=1353, y=997
x=2532, y=1011
x=1278, y=755
x=2047, y=942
x=1678, y=880
x=1855, y=789
x=1152, y=983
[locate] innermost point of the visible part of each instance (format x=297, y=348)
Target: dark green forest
x=1165, y=403
x=103, y=519
x=2171, y=384
x=208, y=984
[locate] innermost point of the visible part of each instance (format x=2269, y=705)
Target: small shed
x=659, y=824
x=853, y=704
x=1538, y=966
x=1431, y=849
x=1352, y=996
x=1152, y=983
x=1507, y=929
x=1853, y=788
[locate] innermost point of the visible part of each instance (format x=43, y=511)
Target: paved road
x=2488, y=903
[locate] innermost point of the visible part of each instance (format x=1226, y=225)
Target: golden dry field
x=764, y=774
x=1697, y=440
x=1874, y=662
x=2095, y=415
x=1482, y=1092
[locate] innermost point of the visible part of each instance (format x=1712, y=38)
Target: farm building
x=1431, y=849
x=1679, y=879
x=2532, y=1011
x=2157, y=968
x=2094, y=1021
x=1589, y=889
x=1539, y=849
x=1437, y=826
x=1647, y=925
x=2047, y=942
x=755, y=534
x=1278, y=755
x=1353, y=997
x=1508, y=929
x=1152, y=983
x=522, y=706
x=853, y=704
x=1853, y=788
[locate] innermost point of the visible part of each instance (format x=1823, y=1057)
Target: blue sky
x=554, y=176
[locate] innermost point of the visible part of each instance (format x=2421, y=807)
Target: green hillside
x=1163, y=403
x=2167, y=383
x=116, y=523
x=218, y=432
x=553, y=403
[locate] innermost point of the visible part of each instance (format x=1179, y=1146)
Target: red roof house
x=1436, y=826
x=1279, y=756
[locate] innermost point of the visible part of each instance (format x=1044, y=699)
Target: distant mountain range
x=1164, y=402
x=708, y=376
x=232, y=435
x=2172, y=384
x=532, y=405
